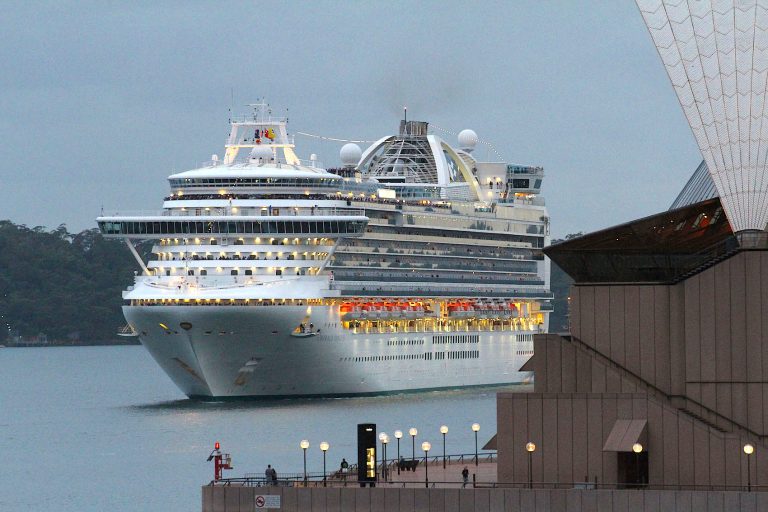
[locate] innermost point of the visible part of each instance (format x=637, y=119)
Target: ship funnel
x=414, y=128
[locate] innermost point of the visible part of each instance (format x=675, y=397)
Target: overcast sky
x=101, y=101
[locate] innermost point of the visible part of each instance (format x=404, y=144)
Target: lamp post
x=749, y=449
x=426, y=446
x=324, y=446
x=530, y=448
x=476, y=429
x=412, y=432
x=304, y=444
x=444, y=430
x=386, y=467
x=382, y=437
x=637, y=448
x=398, y=435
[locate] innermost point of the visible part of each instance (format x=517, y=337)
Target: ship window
x=233, y=272
x=190, y=272
x=203, y=272
x=519, y=183
x=249, y=272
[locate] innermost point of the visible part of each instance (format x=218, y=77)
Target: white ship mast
x=260, y=130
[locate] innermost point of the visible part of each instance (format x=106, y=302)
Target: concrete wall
x=241, y=499
x=690, y=358
x=705, y=338
x=570, y=430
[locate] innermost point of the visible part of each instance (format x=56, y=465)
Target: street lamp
x=749, y=449
x=638, y=449
x=324, y=446
x=444, y=430
x=412, y=432
x=530, y=448
x=476, y=429
x=304, y=444
x=426, y=446
x=398, y=435
x=383, y=437
x=386, y=467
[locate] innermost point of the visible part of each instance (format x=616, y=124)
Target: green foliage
x=67, y=286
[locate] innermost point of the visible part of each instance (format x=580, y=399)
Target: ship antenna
x=232, y=103
x=405, y=114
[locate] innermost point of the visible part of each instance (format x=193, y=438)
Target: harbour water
x=103, y=429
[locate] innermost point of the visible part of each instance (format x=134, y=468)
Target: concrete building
x=668, y=348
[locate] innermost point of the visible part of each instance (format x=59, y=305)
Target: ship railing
x=352, y=288
x=534, y=201
x=221, y=282
x=262, y=160
x=257, y=119
x=245, y=211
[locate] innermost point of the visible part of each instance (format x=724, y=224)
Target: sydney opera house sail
x=716, y=55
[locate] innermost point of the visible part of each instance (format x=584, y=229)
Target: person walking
x=465, y=476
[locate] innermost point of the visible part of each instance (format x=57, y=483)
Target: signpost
x=267, y=501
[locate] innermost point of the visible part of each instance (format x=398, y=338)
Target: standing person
x=268, y=474
x=465, y=476
x=344, y=468
x=274, y=476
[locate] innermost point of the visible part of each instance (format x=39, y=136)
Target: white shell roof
x=716, y=56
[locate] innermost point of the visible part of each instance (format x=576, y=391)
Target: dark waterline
x=102, y=428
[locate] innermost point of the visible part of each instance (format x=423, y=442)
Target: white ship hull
x=253, y=351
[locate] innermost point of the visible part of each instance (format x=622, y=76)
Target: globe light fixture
x=324, y=447
x=637, y=448
x=384, y=438
x=530, y=447
x=476, y=429
x=304, y=444
x=412, y=432
x=444, y=430
x=398, y=435
x=426, y=447
x=749, y=450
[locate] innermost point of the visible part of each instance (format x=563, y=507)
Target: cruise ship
x=414, y=266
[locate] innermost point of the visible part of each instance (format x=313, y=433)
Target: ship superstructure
x=413, y=267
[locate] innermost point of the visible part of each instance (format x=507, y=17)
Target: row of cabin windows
x=230, y=227
x=248, y=272
x=281, y=182
x=405, y=342
x=428, y=356
x=460, y=338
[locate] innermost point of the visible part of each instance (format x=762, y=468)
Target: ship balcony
x=227, y=286
x=245, y=212
x=357, y=289
x=161, y=227
x=343, y=273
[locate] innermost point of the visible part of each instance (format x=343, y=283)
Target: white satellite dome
x=262, y=152
x=467, y=139
x=350, y=154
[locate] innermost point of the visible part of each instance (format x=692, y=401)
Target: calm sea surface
x=103, y=429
